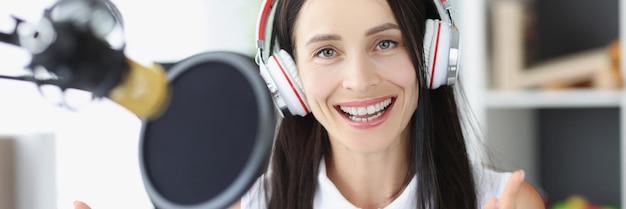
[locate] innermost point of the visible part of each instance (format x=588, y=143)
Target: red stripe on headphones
x=293, y=88
x=432, y=71
x=264, y=16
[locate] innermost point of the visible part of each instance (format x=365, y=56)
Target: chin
x=371, y=144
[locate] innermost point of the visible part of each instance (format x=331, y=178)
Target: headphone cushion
x=436, y=52
x=428, y=39
x=291, y=69
x=290, y=86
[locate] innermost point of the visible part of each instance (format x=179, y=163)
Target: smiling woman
x=377, y=125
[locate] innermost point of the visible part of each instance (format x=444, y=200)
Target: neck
x=371, y=180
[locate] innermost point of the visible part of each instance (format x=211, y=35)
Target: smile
x=366, y=114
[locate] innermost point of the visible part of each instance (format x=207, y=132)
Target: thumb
x=80, y=205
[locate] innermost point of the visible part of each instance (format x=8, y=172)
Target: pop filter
x=214, y=139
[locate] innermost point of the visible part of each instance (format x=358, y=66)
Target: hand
x=510, y=193
x=80, y=205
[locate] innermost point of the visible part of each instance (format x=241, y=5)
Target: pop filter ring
x=262, y=147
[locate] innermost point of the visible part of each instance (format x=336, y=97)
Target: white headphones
x=441, y=53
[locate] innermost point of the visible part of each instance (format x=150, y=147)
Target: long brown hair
x=438, y=154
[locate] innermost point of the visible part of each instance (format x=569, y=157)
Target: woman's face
x=356, y=72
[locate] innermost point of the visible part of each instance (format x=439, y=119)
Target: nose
x=360, y=74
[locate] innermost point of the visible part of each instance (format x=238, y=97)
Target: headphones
x=278, y=69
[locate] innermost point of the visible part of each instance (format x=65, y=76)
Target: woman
x=407, y=151
x=377, y=136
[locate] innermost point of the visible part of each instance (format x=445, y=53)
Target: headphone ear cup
x=436, y=53
x=285, y=74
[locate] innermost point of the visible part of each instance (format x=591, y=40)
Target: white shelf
x=578, y=98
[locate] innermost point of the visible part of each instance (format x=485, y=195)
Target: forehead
x=341, y=16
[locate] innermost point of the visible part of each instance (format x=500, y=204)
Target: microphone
x=144, y=91
x=80, y=43
x=208, y=122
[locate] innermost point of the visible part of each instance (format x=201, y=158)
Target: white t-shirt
x=490, y=184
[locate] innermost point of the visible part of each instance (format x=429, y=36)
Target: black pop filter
x=214, y=139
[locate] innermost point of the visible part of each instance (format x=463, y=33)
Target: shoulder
x=489, y=183
x=256, y=197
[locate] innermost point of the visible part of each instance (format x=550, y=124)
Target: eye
x=386, y=44
x=326, y=53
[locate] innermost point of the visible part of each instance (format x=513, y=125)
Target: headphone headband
x=263, y=21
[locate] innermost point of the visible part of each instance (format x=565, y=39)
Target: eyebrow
x=374, y=30
x=381, y=28
x=324, y=37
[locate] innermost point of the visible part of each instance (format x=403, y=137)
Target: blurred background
x=543, y=79
x=553, y=96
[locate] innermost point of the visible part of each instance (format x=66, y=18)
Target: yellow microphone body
x=144, y=91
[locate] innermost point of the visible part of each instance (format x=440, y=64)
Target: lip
x=368, y=124
x=363, y=102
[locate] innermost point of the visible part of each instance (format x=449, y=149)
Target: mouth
x=366, y=113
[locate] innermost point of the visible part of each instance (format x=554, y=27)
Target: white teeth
x=371, y=109
x=357, y=119
x=354, y=112
x=362, y=110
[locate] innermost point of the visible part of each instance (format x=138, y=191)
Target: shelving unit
x=530, y=129
x=576, y=98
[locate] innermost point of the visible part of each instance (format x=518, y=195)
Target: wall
x=585, y=161
x=7, y=174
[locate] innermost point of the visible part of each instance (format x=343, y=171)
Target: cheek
x=316, y=85
x=402, y=72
